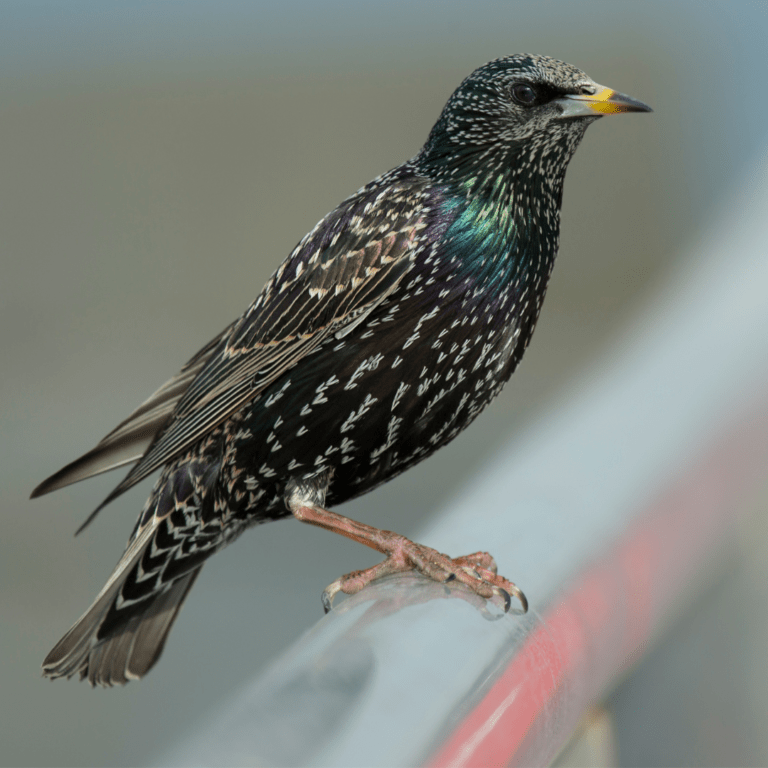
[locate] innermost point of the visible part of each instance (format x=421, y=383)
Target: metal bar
x=609, y=514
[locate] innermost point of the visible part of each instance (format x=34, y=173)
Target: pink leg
x=477, y=571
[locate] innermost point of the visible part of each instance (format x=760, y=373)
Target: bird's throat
x=504, y=231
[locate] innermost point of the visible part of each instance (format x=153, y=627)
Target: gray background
x=157, y=163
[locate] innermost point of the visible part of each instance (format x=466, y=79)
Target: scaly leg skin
x=477, y=571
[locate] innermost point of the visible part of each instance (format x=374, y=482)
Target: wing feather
x=353, y=260
x=129, y=440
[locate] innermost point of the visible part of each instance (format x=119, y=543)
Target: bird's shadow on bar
x=403, y=590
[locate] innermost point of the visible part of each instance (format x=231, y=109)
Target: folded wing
x=337, y=274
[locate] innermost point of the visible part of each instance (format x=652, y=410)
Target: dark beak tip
x=630, y=104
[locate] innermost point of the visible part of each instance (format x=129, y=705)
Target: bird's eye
x=523, y=94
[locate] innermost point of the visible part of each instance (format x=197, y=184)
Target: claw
x=329, y=593
x=520, y=595
x=450, y=577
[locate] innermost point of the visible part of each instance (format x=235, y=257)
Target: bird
x=383, y=334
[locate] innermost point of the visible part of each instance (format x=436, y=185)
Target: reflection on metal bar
x=609, y=514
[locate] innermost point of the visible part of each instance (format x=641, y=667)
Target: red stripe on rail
x=603, y=624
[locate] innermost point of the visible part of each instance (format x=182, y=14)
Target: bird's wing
x=350, y=262
x=129, y=441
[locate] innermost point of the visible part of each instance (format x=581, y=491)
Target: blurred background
x=158, y=162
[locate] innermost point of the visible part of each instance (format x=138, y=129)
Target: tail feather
x=122, y=634
x=131, y=650
x=153, y=630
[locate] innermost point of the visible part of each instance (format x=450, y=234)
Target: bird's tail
x=108, y=653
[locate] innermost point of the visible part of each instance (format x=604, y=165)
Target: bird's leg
x=477, y=571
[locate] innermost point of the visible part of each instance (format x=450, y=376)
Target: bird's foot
x=477, y=571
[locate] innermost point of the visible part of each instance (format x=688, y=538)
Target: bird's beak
x=603, y=101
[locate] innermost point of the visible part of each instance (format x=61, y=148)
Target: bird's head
x=524, y=106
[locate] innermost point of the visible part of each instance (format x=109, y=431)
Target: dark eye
x=523, y=94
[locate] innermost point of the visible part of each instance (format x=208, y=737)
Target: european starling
x=387, y=330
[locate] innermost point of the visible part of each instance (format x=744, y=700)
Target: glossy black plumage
x=388, y=329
